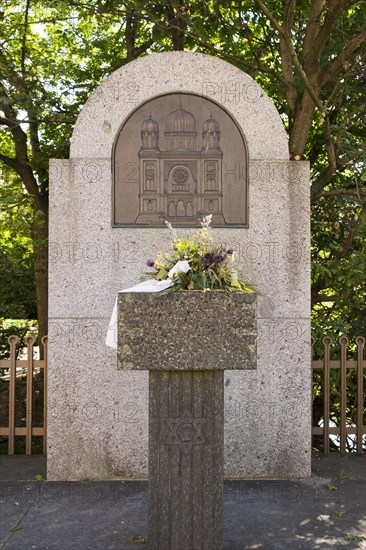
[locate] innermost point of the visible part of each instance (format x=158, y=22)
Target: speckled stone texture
x=98, y=415
x=186, y=442
x=133, y=84
x=187, y=330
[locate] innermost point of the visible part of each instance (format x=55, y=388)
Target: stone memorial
x=175, y=136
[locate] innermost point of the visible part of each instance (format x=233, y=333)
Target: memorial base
x=186, y=440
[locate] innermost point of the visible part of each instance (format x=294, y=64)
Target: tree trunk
x=178, y=24
x=40, y=236
x=301, y=126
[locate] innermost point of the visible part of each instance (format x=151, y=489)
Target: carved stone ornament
x=179, y=157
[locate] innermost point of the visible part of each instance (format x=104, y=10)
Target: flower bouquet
x=197, y=263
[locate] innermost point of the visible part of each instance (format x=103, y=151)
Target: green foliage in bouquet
x=197, y=263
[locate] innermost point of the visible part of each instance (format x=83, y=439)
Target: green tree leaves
x=308, y=56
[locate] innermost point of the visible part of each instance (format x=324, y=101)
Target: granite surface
x=187, y=330
x=186, y=448
x=135, y=83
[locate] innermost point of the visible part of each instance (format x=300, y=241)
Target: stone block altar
x=185, y=340
x=187, y=330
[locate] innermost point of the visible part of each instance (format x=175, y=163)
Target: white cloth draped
x=151, y=285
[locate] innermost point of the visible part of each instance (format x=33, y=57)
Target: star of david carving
x=185, y=431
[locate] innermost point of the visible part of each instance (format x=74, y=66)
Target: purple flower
x=222, y=254
x=210, y=259
x=150, y=263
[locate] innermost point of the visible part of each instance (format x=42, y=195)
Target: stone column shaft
x=186, y=439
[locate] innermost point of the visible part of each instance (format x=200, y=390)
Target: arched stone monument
x=175, y=135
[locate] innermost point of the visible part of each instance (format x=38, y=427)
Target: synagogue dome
x=180, y=121
x=150, y=125
x=211, y=125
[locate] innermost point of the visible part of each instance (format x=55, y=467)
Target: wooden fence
x=15, y=371
x=12, y=369
x=349, y=404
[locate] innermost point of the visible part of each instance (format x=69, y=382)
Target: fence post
x=29, y=404
x=45, y=389
x=360, y=341
x=343, y=340
x=13, y=340
x=326, y=357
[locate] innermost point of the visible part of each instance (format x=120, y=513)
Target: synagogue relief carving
x=181, y=150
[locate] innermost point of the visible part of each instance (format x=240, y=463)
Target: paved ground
x=328, y=511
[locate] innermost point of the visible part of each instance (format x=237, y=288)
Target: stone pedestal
x=186, y=440
x=186, y=340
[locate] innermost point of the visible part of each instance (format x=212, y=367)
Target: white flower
x=174, y=233
x=206, y=222
x=180, y=267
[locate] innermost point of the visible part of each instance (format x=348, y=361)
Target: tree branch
x=130, y=35
x=331, y=169
x=347, y=243
x=312, y=27
x=334, y=7
x=286, y=61
x=316, y=297
x=24, y=39
x=339, y=192
x=338, y=63
x=33, y=133
x=8, y=122
x=295, y=60
x=197, y=36
x=9, y=161
x=134, y=51
x=21, y=161
x=177, y=23
x=199, y=39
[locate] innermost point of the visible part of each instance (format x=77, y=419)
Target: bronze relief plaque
x=179, y=157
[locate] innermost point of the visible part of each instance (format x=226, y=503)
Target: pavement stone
x=326, y=511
